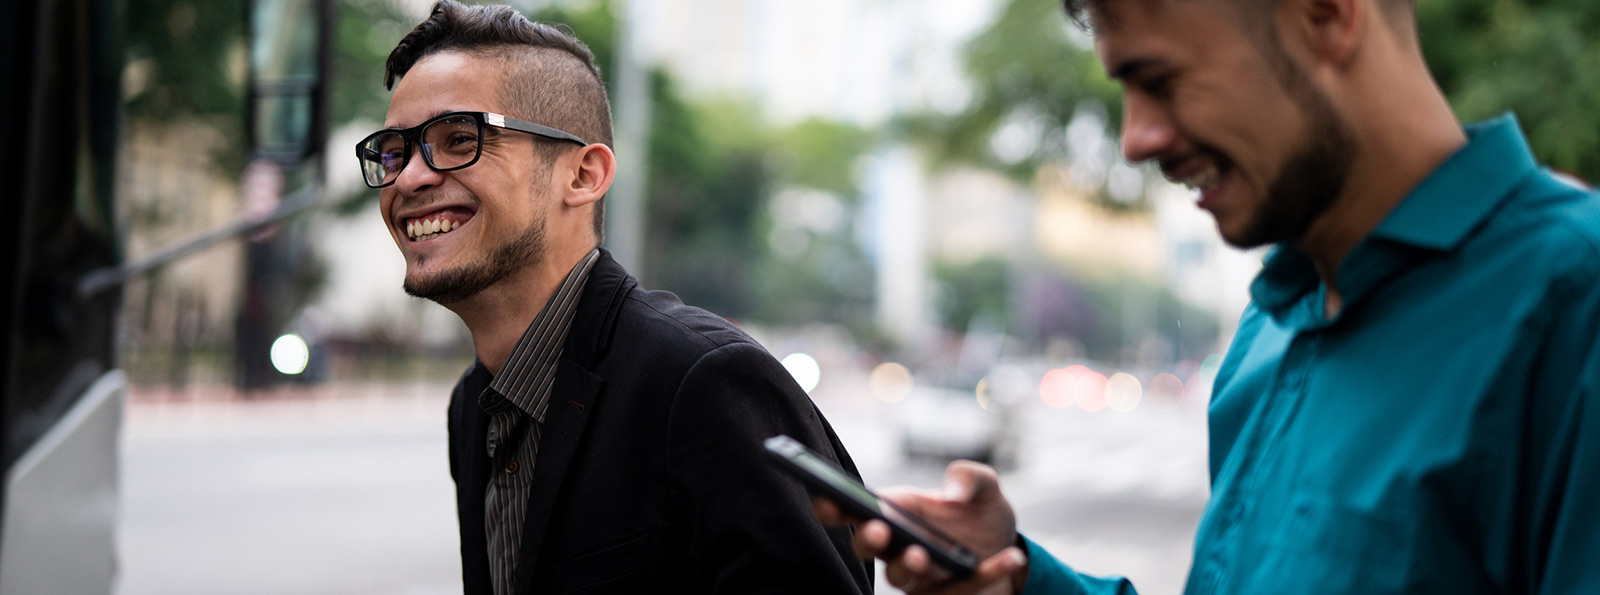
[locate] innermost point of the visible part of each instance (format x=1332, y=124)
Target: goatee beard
x=469, y=279
x=1309, y=182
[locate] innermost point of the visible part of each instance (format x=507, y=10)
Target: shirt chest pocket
x=620, y=568
x=1323, y=547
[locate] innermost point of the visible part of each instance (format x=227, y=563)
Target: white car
x=952, y=424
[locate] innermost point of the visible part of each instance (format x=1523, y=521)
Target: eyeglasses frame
x=412, y=137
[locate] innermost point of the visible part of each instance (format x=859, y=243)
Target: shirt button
x=511, y=466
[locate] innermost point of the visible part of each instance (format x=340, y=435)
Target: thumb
x=966, y=482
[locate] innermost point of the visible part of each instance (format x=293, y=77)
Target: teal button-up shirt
x=1441, y=434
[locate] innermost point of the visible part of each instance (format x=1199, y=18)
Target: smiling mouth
x=1203, y=178
x=421, y=229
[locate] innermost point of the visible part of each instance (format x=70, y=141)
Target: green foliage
x=1026, y=66
x=712, y=168
x=189, y=57
x=1537, y=59
x=365, y=31
x=1111, y=317
x=821, y=154
x=976, y=290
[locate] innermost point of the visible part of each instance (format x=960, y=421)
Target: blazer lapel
x=573, y=394
x=572, y=397
x=470, y=469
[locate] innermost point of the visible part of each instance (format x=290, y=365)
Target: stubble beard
x=467, y=280
x=1309, y=181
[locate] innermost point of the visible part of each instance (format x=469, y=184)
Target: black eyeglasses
x=449, y=142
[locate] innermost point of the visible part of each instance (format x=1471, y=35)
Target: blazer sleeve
x=751, y=527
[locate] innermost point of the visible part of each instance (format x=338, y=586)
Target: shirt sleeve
x=1048, y=576
x=1564, y=435
x=1574, y=488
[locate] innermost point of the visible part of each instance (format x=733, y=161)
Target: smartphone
x=827, y=479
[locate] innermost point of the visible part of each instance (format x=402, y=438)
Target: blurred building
x=170, y=190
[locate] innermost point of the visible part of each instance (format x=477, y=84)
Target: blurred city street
x=344, y=489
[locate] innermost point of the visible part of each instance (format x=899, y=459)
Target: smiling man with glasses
x=607, y=438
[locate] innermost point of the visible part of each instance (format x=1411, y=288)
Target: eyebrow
x=436, y=113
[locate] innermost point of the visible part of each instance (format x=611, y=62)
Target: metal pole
x=624, y=205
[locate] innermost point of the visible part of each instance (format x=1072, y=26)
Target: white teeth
x=1204, y=178
x=424, y=230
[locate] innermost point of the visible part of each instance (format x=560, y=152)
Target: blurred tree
x=1031, y=71
x=713, y=168
x=365, y=31
x=973, y=290
x=187, y=62
x=1539, y=59
x=188, y=56
x=815, y=268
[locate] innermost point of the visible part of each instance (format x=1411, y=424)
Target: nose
x=1147, y=129
x=416, y=175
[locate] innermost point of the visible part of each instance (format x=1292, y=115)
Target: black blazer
x=650, y=476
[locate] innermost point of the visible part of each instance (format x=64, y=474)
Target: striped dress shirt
x=516, y=402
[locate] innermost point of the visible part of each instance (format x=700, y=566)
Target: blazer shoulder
x=656, y=320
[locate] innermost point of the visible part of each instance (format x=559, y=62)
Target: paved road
x=346, y=491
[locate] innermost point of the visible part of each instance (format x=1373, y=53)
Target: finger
x=966, y=481
x=915, y=500
x=916, y=559
x=828, y=512
x=994, y=570
x=999, y=566
x=871, y=539
x=907, y=570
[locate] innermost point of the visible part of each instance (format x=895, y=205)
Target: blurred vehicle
x=946, y=423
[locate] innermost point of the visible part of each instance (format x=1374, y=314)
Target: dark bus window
x=58, y=154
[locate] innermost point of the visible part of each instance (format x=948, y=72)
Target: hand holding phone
x=827, y=479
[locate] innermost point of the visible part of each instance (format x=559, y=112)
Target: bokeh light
x=1165, y=392
x=1123, y=392
x=804, y=369
x=289, y=354
x=890, y=382
x=1055, y=389
x=1198, y=387
x=1088, y=388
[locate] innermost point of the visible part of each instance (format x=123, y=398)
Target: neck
x=1403, y=130
x=498, y=316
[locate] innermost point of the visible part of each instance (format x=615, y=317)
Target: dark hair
x=1078, y=11
x=550, y=76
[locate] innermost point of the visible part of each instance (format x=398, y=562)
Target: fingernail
x=955, y=490
x=1018, y=558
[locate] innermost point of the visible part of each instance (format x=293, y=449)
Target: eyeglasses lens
x=451, y=142
x=384, y=157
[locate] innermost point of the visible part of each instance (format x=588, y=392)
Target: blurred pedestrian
x=607, y=438
x=1407, y=404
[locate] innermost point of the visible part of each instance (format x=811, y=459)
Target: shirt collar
x=1444, y=209
x=525, y=380
x=1439, y=214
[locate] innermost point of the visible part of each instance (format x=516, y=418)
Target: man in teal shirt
x=1405, y=407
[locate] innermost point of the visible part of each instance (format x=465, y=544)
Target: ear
x=1332, y=29
x=594, y=167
